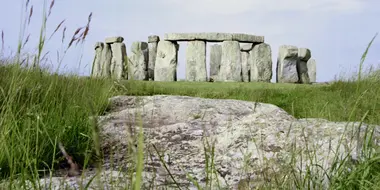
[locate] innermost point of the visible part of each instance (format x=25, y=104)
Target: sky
x=336, y=31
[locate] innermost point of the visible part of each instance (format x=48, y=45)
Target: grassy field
x=39, y=109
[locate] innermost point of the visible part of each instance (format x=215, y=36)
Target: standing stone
x=304, y=55
x=97, y=64
x=230, y=68
x=245, y=68
x=312, y=70
x=165, y=68
x=119, y=53
x=287, y=64
x=138, y=64
x=260, y=61
x=196, y=61
x=215, y=60
x=106, y=60
x=152, y=46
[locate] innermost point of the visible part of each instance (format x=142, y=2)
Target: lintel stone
x=116, y=39
x=214, y=37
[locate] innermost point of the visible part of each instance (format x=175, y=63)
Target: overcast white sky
x=336, y=31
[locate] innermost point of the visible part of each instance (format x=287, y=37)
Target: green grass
x=39, y=109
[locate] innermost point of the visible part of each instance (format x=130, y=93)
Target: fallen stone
x=97, y=64
x=287, y=64
x=214, y=37
x=312, y=70
x=249, y=139
x=245, y=68
x=215, y=60
x=138, y=65
x=304, y=55
x=166, y=61
x=230, y=67
x=196, y=61
x=117, y=39
x=260, y=61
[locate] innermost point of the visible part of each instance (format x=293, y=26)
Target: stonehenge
x=235, y=57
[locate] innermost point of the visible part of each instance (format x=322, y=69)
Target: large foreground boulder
x=251, y=140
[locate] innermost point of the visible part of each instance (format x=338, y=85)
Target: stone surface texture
x=230, y=67
x=245, y=67
x=152, y=46
x=312, y=70
x=117, y=68
x=196, y=61
x=214, y=37
x=215, y=60
x=260, y=62
x=165, y=68
x=287, y=61
x=304, y=55
x=97, y=64
x=251, y=141
x=138, y=64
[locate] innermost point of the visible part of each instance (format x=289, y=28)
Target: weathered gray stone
x=214, y=37
x=116, y=39
x=260, y=61
x=196, y=61
x=106, y=60
x=312, y=70
x=119, y=53
x=230, y=67
x=152, y=46
x=178, y=127
x=97, y=64
x=287, y=64
x=153, y=38
x=138, y=64
x=245, y=67
x=304, y=55
x=165, y=68
x=246, y=46
x=215, y=60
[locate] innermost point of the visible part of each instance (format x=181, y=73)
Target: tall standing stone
x=106, y=60
x=152, y=46
x=97, y=64
x=245, y=67
x=196, y=61
x=165, y=68
x=304, y=55
x=312, y=70
x=230, y=68
x=215, y=60
x=260, y=61
x=138, y=64
x=287, y=64
x=119, y=52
